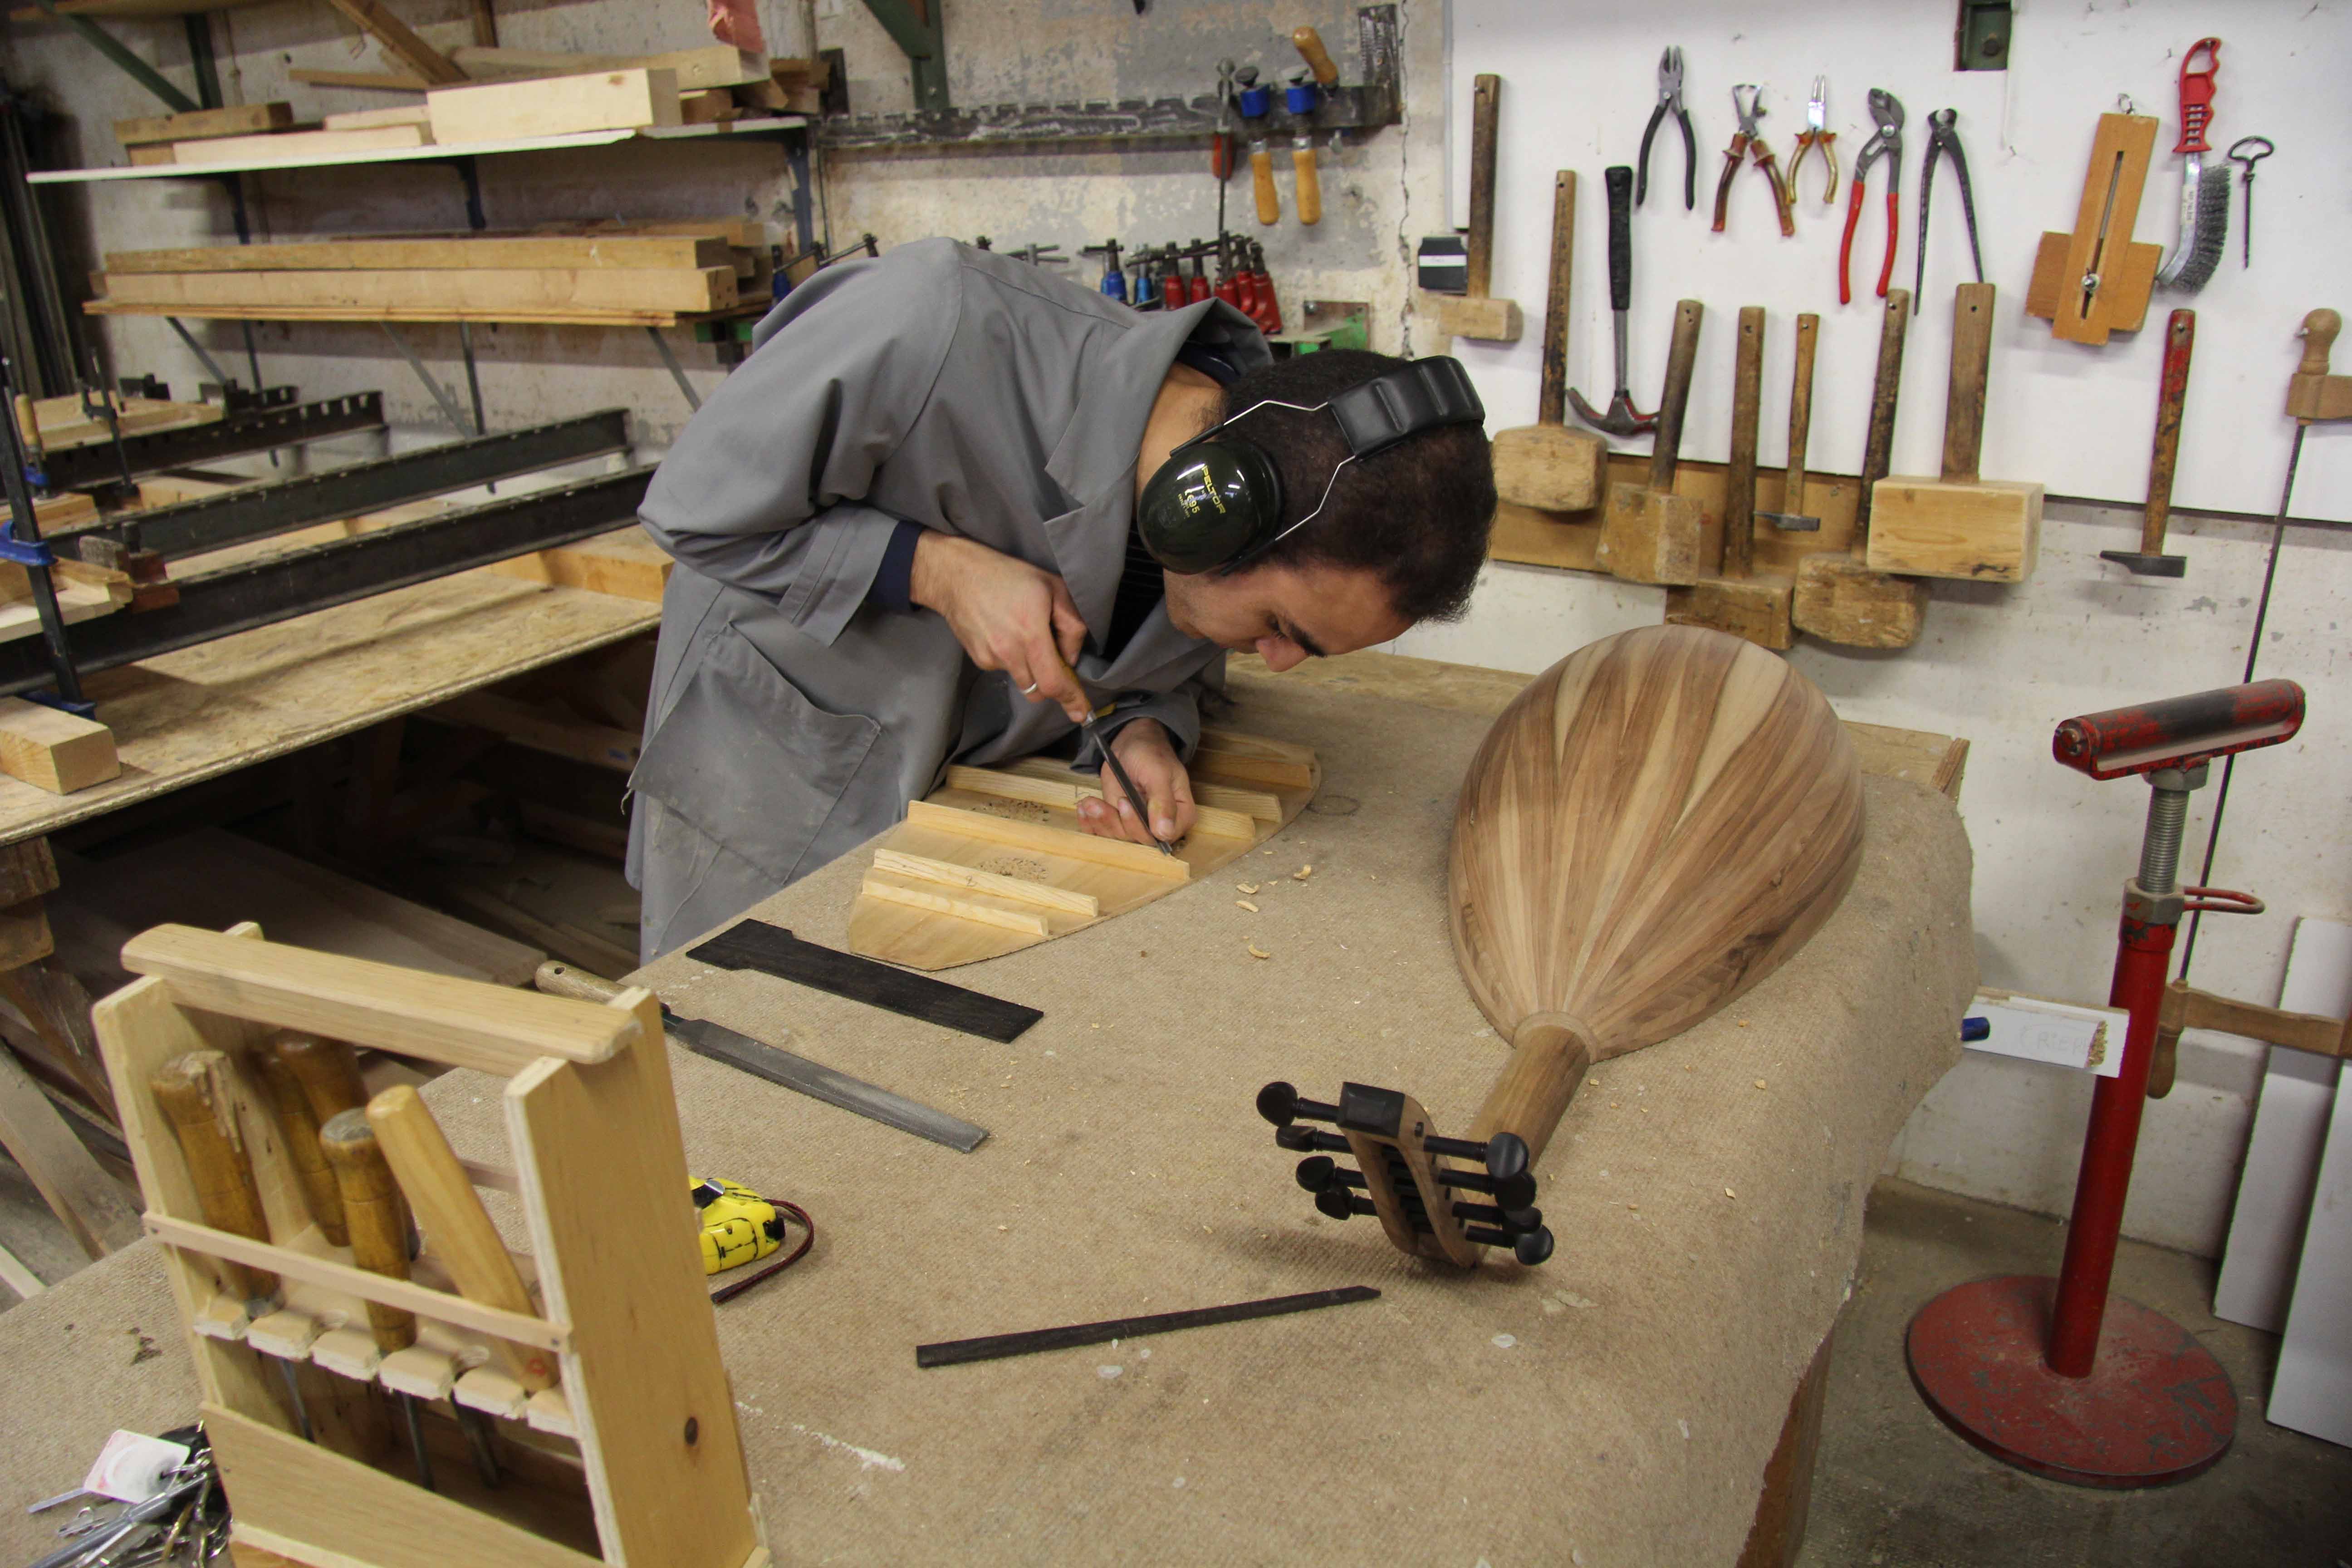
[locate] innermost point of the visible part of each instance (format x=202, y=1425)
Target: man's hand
x=1144, y=746
x=1009, y=616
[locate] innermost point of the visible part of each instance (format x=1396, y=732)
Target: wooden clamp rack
x=601, y=1405
x=995, y=861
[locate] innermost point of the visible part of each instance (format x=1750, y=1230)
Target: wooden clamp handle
x=1551, y=402
x=195, y=1093
x=378, y=1219
x=1309, y=43
x=1483, y=127
x=451, y=1213
x=1740, y=480
x=2180, y=343
x=1800, y=412
x=1963, y=409
x=1681, y=355
x=299, y=1127
x=1886, y=388
x=2319, y=329
x=1550, y=1057
x=1269, y=201
x=1310, y=184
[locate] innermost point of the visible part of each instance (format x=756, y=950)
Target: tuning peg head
x=1523, y=1220
x=1532, y=1247
x=1507, y=1156
x=1514, y=1192
x=1279, y=1103
x=1336, y=1202
x=1316, y=1171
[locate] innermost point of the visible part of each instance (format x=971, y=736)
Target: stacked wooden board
x=609, y=275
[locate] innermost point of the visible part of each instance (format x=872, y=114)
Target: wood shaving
x=1729, y=1194
x=1245, y=903
x=1635, y=1208
x=1302, y=873
x=1759, y=1083
x=1246, y=887
x=1257, y=951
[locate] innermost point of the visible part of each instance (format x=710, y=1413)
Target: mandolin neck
x=1548, y=1060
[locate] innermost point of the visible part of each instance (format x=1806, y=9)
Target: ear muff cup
x=1210, y=504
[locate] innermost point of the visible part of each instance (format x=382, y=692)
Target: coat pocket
x=750, y=762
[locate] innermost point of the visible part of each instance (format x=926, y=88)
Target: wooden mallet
x=1959, y=525
x=1740, y=601
x=1474, y=314
x=1549, y=464
x=1650, y=534
x=1839, y=598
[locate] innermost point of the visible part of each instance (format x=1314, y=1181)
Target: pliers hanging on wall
x=1747, y=140
x=1887, y=143
x=1943, y=139
x=1669, y=99
x=1816, y=133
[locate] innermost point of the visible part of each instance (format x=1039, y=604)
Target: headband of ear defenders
x=1418, y=397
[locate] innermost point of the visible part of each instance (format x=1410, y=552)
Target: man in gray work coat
x=912, y=506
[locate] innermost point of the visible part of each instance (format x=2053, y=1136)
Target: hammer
x=2149, y=560
x=1801, y=429
x=1622, y=418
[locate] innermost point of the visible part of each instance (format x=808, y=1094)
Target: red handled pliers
x=1887, y=143
x=1748, y=103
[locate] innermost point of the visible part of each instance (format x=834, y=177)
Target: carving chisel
x=1096, y=712
x=378, y=1223
x=759, y=1059
x=193, y=1092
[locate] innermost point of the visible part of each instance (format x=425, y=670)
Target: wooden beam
x=238, y=119
x=70, y=1179
x=712, y=65
x=541, y=730
x=435, y=254
x=55, y=751
x=300, y=144
x=358, y=81
x=554, y=106
x=394, y=38
x=542, y=288
x=27, y=870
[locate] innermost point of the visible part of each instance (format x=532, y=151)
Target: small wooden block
x=373, y=119
x=707, y=107
x=1758, y=608
x=1551, y=467
x=56, y=750
x=1487, y=318
x=300, y=144
x=286, y=1334
x=147, y=156
x=221, y=1317
x=493, y=1392
x=1839, y=600
x=1531, y=537
x=427, y=1373
x=556, y=106
x=348, y=1352
x=240, y=120
x=1028, y=923
x=24, y=934
x=1650, y=536
x=1984, y=531
x=550, y=1411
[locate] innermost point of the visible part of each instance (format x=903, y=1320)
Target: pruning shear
x=1748, y=140
x=1887, y=143
x=1816, y=133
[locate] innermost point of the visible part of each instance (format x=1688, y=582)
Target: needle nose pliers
x=1747, y=103
x=1816, y=133
x=1669, y=99
x=1887, y=143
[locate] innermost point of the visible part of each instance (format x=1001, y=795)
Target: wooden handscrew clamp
x=2311, y=392
x=1550, y=464
x=1978, y=529
x=1839, y=598
x=1740, y=600
x=1650, y=534
x=1476, y=314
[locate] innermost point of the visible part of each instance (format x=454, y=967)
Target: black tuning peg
x=1300, y=1139
x=1338, y=1203
x=1506, y=1156
x=1279, y=1103
x=1530, y=1248
x=1512, y=1220
x=1316, y=1171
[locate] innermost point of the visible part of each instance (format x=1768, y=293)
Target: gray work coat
x=791, y=718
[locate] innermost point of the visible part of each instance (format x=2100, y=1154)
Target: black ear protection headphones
x=1216, y=503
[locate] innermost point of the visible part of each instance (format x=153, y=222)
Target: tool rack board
x=2074, y=419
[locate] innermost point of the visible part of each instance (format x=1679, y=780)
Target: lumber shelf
x=584, y=318
x=767, y=125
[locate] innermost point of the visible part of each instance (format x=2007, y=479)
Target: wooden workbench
x=228, y=704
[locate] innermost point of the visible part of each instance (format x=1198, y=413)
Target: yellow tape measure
x=739, y=1225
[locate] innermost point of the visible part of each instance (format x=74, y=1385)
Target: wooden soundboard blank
x=994, y=859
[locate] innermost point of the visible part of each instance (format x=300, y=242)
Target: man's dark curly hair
x=1417, y=514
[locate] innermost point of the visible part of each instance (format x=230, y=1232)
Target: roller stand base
x=2155, y=1409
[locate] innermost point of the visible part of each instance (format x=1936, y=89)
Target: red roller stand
x=2057, y=1376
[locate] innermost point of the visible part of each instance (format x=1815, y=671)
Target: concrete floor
x=1894, y=1487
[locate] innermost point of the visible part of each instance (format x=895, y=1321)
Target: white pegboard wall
x=1579, y=83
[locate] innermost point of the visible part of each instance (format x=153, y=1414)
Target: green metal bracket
x=920, y=29
x=1980, y=40
x=139, y=70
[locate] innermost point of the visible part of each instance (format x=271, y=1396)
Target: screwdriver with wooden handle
x=1091, y=726
x=378, y=1223
x=193, y=1092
